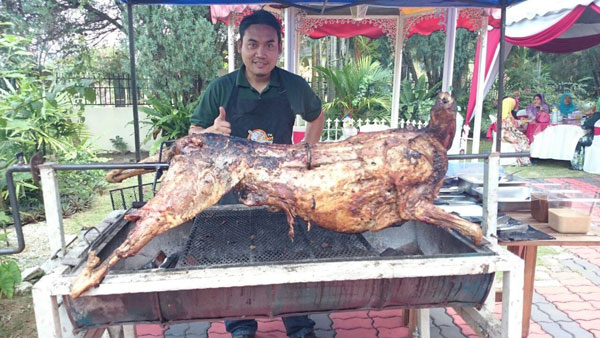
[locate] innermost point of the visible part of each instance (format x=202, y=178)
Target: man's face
x=260, y=48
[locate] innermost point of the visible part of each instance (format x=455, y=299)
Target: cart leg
x=45, y=306
x=423, y=323
x=512, y=303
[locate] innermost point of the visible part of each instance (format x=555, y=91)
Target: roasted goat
x=367, y=182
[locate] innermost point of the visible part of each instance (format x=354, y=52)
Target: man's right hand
x=220, y=126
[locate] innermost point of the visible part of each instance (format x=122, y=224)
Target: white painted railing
x=340, y=129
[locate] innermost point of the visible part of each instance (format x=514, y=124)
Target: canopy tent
x=373, y=22
x=452, y=6
x=384, y=3
x=552, y=27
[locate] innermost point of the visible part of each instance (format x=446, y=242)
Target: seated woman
x=510, y=131
x=538, y=105
x=566, y=105
x=586, y=140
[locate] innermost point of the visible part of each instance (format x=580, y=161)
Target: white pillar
x=288, y=49
x=52, y=209
x=231, y=45
x=397, y=70
x=478, y=110
x=449, y=52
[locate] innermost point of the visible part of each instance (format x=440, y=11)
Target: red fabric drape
x=347, y=30
x=493, y=39
x=551, y=32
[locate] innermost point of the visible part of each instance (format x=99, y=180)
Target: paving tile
x=467, y=330
x=149, y=330
x=387, y=323
x=440, y=317
x=596, y=333
x=451, y=331
x=540, y=316
x=434, y=332
x=269, y=326
x=272, y=334
x=385, y=313
x=356, y=333
x=555, y=330
x=575, y=329
x=563, y=297
x=584, y=315
x=218, y=335
x=552, y=311
x=574, y=306
x=397, y=332
x=199, y=328
x=217, y=327
x=595, y=304
x=553, y=290
x=348, y=314
x=177, y=330
x=588, y=270
x=322, y=321
x=584, y=289
x=592, y=296
x=352, y=323
x=590, y=324
x=537, y=298
x=325, y=333
x=567, y=275
x=536, y=328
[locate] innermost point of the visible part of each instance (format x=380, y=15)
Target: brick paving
x=566, y=303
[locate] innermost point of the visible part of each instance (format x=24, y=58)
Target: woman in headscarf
x=538, y=104
x=587, y=124
x=566, y=105
x=510, y=132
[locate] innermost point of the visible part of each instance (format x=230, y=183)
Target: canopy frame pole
x=134, y=98
x=397, y=70
x=451, y=17
x=501, y=75
x=290, y=38
x=483, y=33
x=230, y=44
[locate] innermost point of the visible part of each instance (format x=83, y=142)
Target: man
x=260, y=102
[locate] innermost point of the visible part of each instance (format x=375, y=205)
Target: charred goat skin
x=367, y=182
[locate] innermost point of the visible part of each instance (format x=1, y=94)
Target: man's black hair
x=260, y=17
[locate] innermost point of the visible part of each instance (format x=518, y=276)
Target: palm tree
x=362, y=90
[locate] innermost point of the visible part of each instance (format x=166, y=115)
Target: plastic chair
x=505, y=147
x=591, y=161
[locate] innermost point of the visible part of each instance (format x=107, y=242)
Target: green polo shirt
x=303, y=100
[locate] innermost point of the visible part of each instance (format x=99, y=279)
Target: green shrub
x=38, y=113
x=10, y=276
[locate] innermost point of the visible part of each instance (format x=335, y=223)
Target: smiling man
x=260, y=102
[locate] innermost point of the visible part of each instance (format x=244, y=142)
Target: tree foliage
x=362, y=89
x=176, y=50
x=57, y=26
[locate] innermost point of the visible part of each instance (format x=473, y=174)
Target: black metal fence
x=115, y=90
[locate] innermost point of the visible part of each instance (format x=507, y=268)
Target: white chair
x=591, y=161
x=504, y=147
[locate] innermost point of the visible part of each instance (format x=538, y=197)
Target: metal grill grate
x=246, y=236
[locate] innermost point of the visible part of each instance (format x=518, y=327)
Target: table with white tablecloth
x=556, y=142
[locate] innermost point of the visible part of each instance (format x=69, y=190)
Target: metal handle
x=86, y=232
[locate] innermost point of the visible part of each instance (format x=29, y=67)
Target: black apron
x=269, y=120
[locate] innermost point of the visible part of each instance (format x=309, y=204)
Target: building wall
x=106, y=122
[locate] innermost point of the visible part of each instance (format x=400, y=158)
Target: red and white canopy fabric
x=422, y=21
x=564, y=26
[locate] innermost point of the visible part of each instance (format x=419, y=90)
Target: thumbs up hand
x=220, y=126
